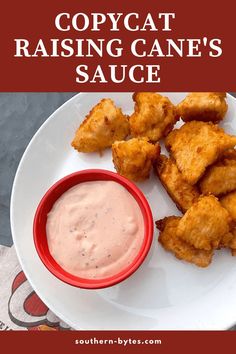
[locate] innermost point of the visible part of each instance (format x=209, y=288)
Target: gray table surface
x=21, y=114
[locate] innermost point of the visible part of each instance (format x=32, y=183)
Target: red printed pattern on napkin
x=33, y=313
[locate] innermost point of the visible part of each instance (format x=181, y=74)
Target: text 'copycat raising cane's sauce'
x=95, y=229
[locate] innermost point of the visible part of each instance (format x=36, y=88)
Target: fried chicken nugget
x=204, y=106
x=154, y=116
x=181, y=249
x=232, y=244
x=197, y=145
x=134, y=158
x=181, y=192
x=103, y=125
x=229, y=241
x=220, y=178
x=205, y=223
x=229, y=203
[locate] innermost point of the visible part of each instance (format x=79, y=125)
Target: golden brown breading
x=229, y=154
x=134, y=158
x=204, y=106
x=103, y=125
x=204, y=224
x=229, y=203
x=229, y=241
x=220, y=178
x=181, y=192
x=197, y=145
x=181, y=249
x=154, y=116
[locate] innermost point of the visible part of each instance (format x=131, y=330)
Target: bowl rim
x=60, y=187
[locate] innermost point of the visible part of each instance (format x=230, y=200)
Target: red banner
x=117, y=46
x=161, y=342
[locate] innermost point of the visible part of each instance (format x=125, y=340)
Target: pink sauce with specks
x=95, y=229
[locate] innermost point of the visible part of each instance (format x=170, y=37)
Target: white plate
x=164, y=293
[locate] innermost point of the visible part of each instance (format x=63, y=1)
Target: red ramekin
x=45, y=205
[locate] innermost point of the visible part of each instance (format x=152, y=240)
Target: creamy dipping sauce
x=95, y=229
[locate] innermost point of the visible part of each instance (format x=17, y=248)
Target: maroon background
x=35, y=19
x=172, y=342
